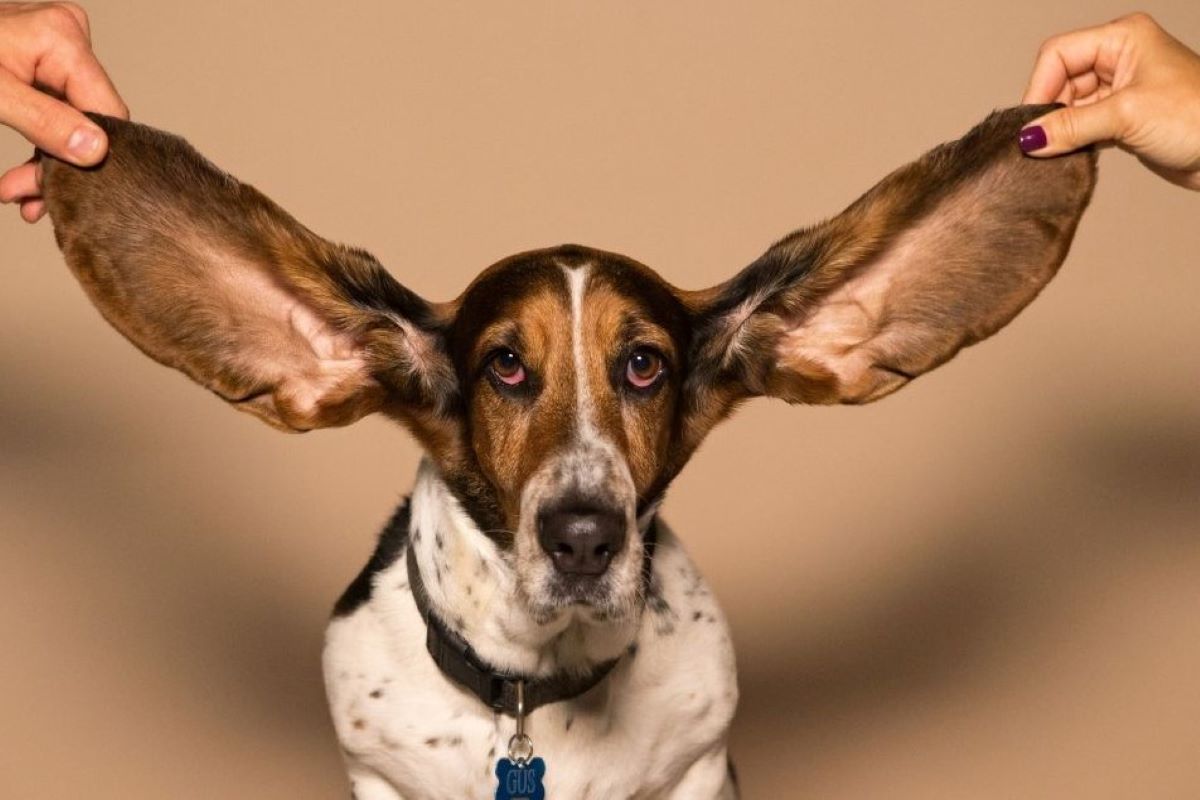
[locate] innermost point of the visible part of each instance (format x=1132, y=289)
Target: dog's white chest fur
x=655, y=727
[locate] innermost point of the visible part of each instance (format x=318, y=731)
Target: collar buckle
x=458, y=661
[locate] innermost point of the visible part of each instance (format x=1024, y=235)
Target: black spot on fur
x=655, y=601
x=696, y=615
x=391, y=544
x=664, y=616
x=433, y=742
x=378, y=693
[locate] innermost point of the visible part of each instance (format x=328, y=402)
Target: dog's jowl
x=526, y=612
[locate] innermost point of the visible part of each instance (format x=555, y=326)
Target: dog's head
x=565, y=388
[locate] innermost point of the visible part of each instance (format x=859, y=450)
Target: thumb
x=50, y=124
x=1071, y=128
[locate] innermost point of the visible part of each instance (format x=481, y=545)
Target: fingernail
x=84, y=142
x=1032, y=138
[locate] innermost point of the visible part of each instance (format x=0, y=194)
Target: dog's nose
x=581, y=541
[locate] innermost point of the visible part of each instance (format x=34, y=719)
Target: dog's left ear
x=939, y=255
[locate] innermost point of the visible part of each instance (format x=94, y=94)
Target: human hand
x=1128, y=82
x=48, y=75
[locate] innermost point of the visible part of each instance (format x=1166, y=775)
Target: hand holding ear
x=48, y=75
x=1128, y=82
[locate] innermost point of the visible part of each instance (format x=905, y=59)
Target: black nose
x=581, y=541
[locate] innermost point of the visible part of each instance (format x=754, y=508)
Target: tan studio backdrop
x=986, y=586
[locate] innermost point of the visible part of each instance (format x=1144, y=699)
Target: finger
x=1083, y=90
x=80, y=16
x=1084, y=85
x=33, y=210
x=1068, y=55
x=1069, y=129
x=19, y=183
x=1094, y=97
x=53, y=126
x=73, y=71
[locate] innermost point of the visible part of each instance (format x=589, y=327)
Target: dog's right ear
x=937, y=256
x=208, y=276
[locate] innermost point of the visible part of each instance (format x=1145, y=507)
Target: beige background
x=987, y=586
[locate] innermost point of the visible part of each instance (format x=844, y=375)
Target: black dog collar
x=459, y=662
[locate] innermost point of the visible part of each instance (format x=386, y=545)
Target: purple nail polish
x=1032, y=138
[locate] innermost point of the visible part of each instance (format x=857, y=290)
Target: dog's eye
x=644, y=369
x=507, y=366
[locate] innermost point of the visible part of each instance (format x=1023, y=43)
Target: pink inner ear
x=854, y=331
x=273, y=337
x=949, y=281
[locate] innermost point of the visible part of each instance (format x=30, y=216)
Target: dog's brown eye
x=644, y=369
x=507, y=366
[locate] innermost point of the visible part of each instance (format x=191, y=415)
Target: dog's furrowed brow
x=505, y=333
x=637, y=330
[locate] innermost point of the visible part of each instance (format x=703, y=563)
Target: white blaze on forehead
x=592, y=462
x=584, y=409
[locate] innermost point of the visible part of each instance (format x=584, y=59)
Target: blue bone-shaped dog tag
x=521, y=781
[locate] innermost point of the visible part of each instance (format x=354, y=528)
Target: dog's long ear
x=939, y=255
x=208, y=276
